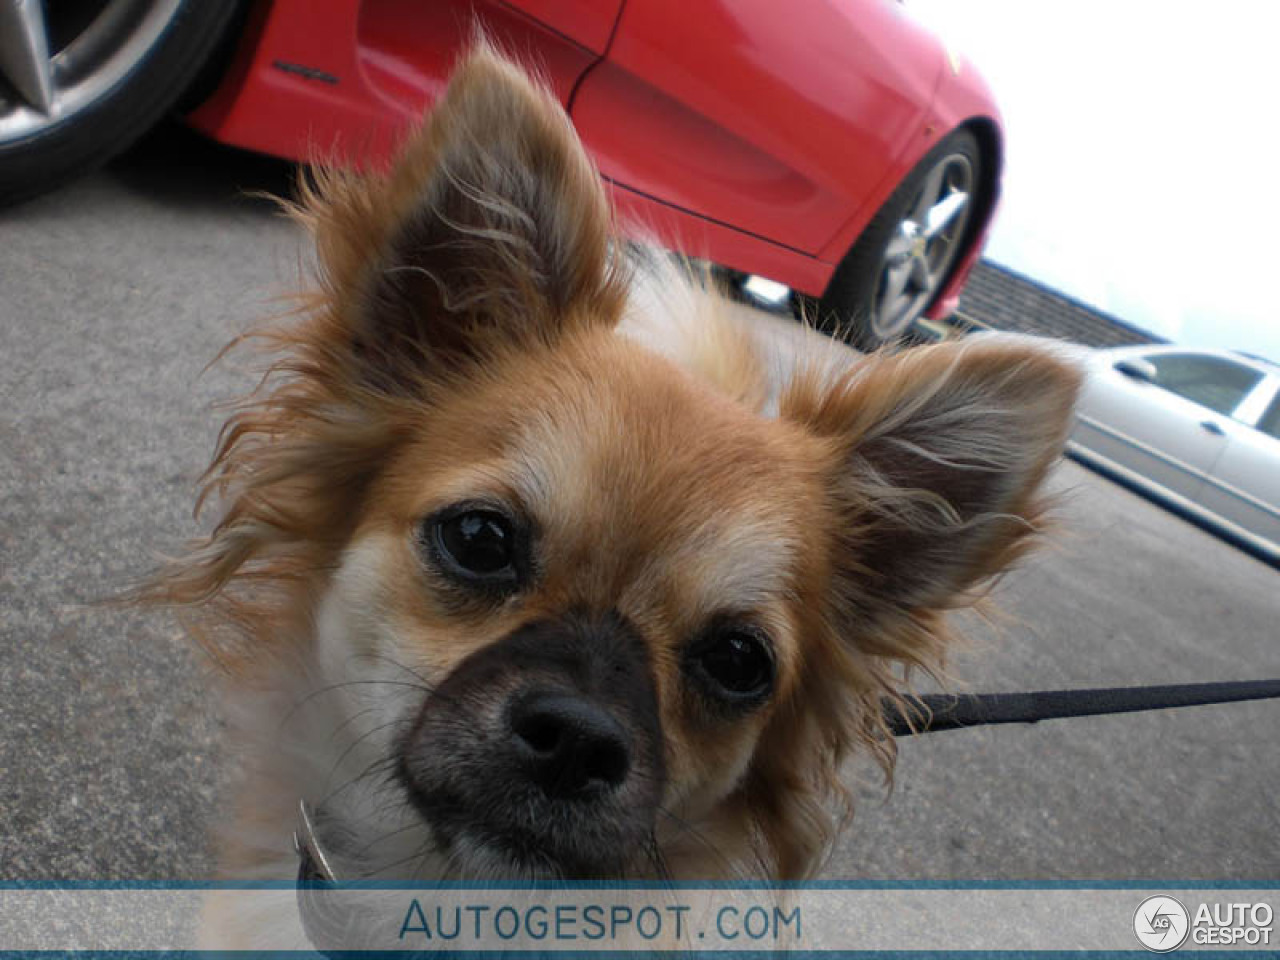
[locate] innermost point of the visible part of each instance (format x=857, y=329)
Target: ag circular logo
x=1161, y=924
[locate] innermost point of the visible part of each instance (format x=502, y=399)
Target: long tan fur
x=477, y=324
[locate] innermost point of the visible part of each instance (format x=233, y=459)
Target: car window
x=1270, y=421
x=1213, y=382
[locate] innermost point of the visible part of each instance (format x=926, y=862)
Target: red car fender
x=341, y=81
x=282, y=74
x=962, y=98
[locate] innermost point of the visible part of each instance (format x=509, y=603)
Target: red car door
x=585, y=22
x=778, y=119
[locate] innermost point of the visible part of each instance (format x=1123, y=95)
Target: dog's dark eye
x=736, y=663
x=477, y=545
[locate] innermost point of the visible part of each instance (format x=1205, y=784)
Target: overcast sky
x=1143, y=155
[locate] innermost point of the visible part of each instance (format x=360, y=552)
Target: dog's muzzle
x=542, y=752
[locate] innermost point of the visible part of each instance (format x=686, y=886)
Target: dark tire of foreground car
x=144, y=63
x=906, y=254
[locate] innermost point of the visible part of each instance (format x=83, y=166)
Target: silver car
x=1198, y=429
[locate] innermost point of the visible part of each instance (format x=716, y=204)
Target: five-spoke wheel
x=81, y=79
x=906, y=254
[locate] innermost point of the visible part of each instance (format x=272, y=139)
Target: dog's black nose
x=570, y=744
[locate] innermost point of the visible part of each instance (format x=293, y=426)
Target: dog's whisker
x=334, y=687
x=358, y=778
x=350, y=721
x=384, y=837
x=431, y=689
x=424, y=850
x=422, y=862
x=337, y=764
x=653, y=852
x=384, y=658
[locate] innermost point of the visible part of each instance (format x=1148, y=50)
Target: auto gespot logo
x=1162, y=923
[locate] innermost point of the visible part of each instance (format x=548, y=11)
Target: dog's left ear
x=939, y=454
x=490, y=228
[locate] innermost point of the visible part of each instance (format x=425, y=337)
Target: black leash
x=935, y=712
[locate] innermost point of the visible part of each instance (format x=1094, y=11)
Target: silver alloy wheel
x=55, y=62
x=924, y=246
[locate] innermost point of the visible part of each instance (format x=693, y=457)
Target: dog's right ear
x=490, y=229
x=941, y=454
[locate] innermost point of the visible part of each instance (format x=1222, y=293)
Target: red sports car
x=831, y=145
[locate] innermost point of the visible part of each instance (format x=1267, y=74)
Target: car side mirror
x=1137, y=369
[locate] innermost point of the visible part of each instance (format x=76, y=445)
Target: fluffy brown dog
x=538, y=561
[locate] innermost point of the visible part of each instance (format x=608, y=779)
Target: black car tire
x=151, y=82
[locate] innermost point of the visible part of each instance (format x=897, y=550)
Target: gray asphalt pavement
x=114, y=295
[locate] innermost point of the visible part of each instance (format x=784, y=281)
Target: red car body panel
x=760, y=135
x=588, y=22
x=725, y=110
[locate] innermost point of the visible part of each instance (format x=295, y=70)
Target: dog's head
x=604, y=591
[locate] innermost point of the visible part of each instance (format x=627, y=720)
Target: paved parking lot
x=116, y=292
